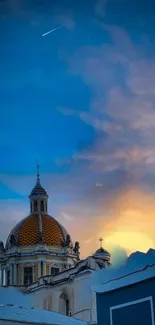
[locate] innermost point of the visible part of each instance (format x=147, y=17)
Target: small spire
x=101, y=241
x=38, y=175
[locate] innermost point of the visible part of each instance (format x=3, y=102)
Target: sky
x=81, y=103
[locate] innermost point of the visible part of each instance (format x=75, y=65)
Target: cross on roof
x=101, y=241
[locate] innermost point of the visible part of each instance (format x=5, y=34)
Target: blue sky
x=79, y=101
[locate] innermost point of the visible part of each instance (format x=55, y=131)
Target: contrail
x=53, y=30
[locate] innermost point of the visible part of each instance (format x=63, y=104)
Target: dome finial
x=38, y=175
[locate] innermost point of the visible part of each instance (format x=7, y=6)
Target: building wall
x=82, y=300
x=138, y=314
x=34, y=261
x=84, y=303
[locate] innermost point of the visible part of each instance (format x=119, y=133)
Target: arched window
x=64, y=304
x=35, y=205
x=42, y=206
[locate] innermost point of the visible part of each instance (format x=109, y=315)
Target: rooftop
x=138, y=267
x=36, y=316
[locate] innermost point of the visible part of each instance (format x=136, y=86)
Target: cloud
x=121, y=112
x=134, y=213
x=118, y=255
x=67, y=216
x=124, y=218
x=141, y=78
x=43, y=14
x=122, y=80
x=11, y=211
x=10, y=4
x=100, y=7
x=127, y=220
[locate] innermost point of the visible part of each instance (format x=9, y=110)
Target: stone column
x=39, y=269
x=44, y=268
x=4, y=278
x=32, y=206
x=1, y=277
x=45, y=206
x=22, y=275
x=15, y=274
x=10, y=269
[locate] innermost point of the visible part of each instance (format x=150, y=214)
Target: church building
x=40, y=258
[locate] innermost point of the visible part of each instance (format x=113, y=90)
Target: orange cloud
x=133, y=223
x=130, y=224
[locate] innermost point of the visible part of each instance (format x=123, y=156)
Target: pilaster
x=44, y=268
x=1, y=277
x=15, y=274
x=4, y=277
x=33, y=273
x=10, y=268
x=22, y=275
x=39, y=269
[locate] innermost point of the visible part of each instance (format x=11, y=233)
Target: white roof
x=138, y=267
x=36, y=316
x=14, y=296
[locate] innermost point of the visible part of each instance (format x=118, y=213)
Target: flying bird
x=99, y=185
x=52, y=30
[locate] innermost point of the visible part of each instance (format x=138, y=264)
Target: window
x=31, y=206
x=41, y=268
x=35, y=205
x=8, y=278
x=27, y=276
x=64, y=305
x=42, y=206
x=54, y=270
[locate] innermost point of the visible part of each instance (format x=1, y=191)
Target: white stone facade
x=82, y=302
x=69, y=292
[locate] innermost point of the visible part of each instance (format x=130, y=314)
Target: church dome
x=26, y=232
x=39, y=227
x=102, y=252
x=38, y=190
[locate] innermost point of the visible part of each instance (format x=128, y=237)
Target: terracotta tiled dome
x=26, y=232
x=38, y=227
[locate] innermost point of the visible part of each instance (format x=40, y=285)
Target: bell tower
x=38, y=197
